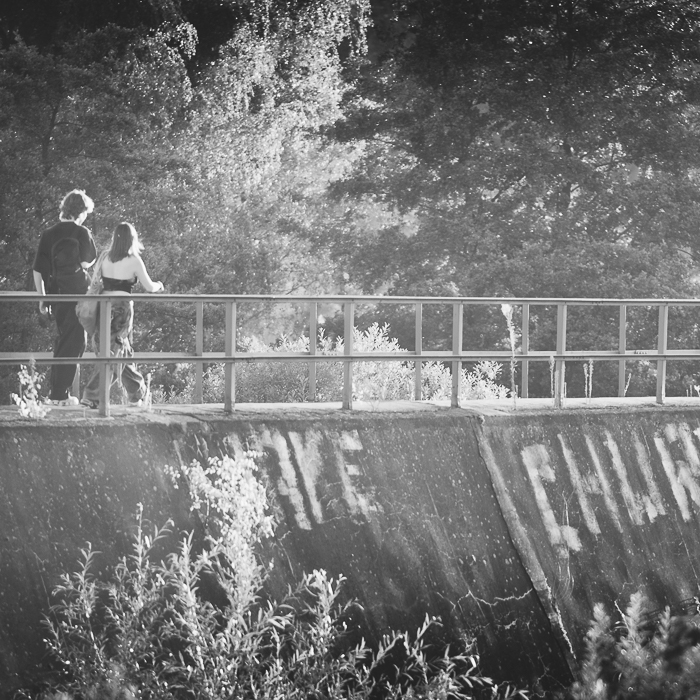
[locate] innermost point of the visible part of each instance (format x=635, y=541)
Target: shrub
x=387, y=380
x=643, y=657
x=150, y=632
x=285, y=382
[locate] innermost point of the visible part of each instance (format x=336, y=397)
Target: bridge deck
x=212, y=411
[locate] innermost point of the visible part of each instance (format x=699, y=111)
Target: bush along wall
x=194, y=623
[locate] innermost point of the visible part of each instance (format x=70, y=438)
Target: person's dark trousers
x=70, y=342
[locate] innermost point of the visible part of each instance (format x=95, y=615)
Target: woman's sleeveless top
x=115, y=285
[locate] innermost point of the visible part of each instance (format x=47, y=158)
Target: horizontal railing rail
x=230, y=356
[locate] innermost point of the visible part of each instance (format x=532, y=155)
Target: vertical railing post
x=199, y=351
x=230, y=351
x=622, y=348
x=417, y=388
x=662, y=347
x=560, y=364
x=313, y=338
x=104, y=351
x=525, y=349
x=349, y=311
x=457, y=331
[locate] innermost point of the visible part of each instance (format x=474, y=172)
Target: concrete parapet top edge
x=362, y=410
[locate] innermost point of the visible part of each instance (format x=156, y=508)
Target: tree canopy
x=502, y=132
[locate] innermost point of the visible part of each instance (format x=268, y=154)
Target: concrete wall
x=509, y=527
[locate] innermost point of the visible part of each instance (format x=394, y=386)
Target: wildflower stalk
x=507, y=311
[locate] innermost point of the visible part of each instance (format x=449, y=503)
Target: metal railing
x=456, y=356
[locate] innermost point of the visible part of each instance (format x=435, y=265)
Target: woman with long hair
x=121, y=268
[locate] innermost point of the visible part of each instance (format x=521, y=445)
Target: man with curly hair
x=66, y=251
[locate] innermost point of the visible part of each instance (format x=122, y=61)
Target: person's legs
x=122, y=324
x=134, y=383
x=91, y=392
x=132, y=380
x=70, y=342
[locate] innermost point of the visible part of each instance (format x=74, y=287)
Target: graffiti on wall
x=628, y=485
x=301, y=458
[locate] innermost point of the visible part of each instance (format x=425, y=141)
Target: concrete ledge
x=165, y=412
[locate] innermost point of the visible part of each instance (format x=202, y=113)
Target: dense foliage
x=531, y=147
x=493, y=147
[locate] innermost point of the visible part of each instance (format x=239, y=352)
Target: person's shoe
x=69, y=401
x=136, y=404
x=89, y=403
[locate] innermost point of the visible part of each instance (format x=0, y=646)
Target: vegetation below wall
x=194, y=624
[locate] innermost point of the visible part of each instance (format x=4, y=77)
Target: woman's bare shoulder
x=137, y=261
